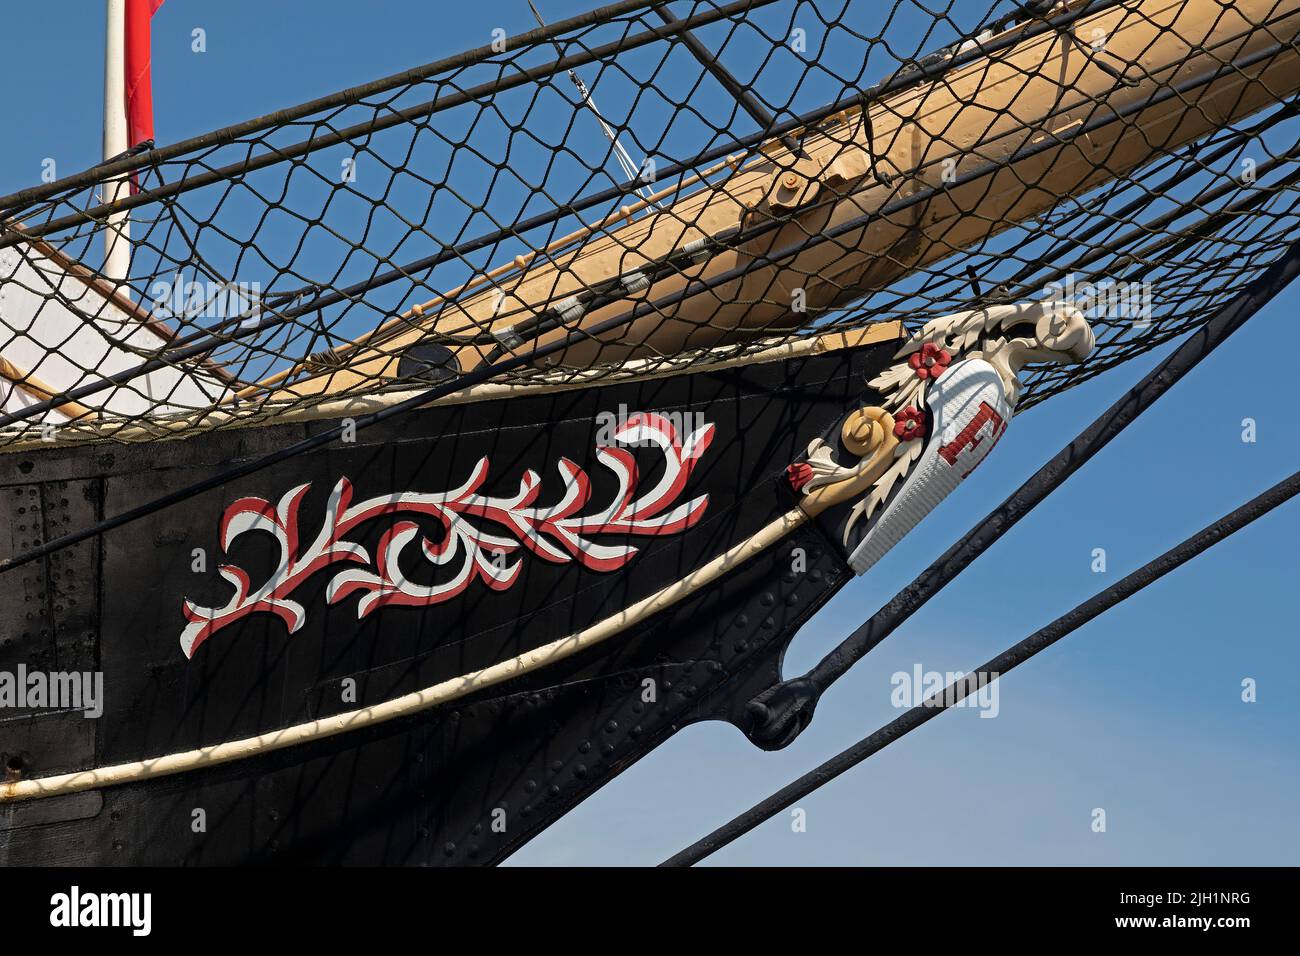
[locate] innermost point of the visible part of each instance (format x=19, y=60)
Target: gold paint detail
x=863, y=432
x=867, y=433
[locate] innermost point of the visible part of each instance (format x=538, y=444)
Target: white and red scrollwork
x=557, y=533
x=956, y=379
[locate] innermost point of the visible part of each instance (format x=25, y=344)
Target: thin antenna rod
x=630, y=169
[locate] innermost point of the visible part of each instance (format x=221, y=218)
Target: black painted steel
x=424, y=789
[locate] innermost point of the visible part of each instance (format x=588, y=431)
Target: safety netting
x=654, y=187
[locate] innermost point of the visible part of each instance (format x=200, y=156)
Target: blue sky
x=1139, y=713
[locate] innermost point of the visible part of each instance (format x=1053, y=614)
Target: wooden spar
x=1001, y=115
x=411, y=317
x=25, y=381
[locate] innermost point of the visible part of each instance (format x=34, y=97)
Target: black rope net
x=658, y=186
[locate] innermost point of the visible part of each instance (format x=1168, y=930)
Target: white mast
x=117, y=237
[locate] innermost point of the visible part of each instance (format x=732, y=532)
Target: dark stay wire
x=959, y=689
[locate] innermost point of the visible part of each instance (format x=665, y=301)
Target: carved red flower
x=799, y=474
x=930, y=362
x=909, y=424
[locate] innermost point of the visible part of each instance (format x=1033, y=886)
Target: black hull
x=466, y=782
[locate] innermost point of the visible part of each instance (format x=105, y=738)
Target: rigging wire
x=521, y=76
x=911, y=73
x=483, y=373
x=630, y=169
x=198, y=343
x=994, y=669
x=135, y=159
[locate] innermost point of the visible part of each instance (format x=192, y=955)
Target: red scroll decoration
x=557, y=533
